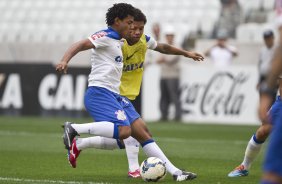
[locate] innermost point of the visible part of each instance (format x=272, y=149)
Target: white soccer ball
x=152, y=169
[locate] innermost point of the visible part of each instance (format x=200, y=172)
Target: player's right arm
x=72, y=51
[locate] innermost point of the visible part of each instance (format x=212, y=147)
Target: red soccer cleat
x=134, y=174
x=73, y=154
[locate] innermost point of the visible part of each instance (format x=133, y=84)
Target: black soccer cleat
x=184, y=176
x=69, y=134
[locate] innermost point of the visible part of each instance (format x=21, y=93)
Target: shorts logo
x=120, y=115
x=125, y=101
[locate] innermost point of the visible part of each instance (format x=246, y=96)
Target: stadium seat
x=27, y=4
x=250, y=5
x=271, y=16
x=207, y=25
x=268, y=4
x=251, y=32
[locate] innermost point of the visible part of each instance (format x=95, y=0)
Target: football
x=152, y=169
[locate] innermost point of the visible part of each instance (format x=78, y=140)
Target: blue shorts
x=104, y=105
x=273, y=158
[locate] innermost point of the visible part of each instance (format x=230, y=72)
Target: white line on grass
x=166, y=139
x=47, y=181
x=199, y=141
x=27, y=134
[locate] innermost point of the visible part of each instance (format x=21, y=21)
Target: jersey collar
x=111, y=33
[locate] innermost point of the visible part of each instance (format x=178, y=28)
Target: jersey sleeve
x=232, y=48
x=151, y=42
x=99, y=39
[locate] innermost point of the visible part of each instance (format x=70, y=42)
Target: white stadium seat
x=268, y=4
x=48, y=15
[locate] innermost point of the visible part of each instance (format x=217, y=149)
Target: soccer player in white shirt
x=106, y=106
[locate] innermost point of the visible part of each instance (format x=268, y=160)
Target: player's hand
x=265, y=103
x=195, y=56
x=62, y=67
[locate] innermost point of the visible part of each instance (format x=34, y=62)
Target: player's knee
x=124, y=132
x=263, y=132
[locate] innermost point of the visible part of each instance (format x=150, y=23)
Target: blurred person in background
x=230, y=17
x=221, y=54
x=266, y=55
x=256, y=141
x=278, y=7
x=156, y=29
x=169, y=83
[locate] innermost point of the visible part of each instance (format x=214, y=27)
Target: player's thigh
x=102, y=105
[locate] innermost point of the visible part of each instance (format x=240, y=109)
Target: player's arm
x=71, y=52
x=169, y=49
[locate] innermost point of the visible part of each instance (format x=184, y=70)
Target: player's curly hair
x=119, y=10
x=140, y=16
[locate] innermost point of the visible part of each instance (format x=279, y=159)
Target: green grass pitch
x=32, y=151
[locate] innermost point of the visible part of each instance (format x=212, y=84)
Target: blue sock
x=256, y=140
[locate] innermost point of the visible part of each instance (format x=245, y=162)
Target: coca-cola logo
x=221, y=95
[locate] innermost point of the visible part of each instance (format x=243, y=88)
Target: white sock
x=102, y=128
x=251, y=153
x=97, y=142
x=152, y=150
x=132, y=150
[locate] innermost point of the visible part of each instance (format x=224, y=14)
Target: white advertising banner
x=208, y=95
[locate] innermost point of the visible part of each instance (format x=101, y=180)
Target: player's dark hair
x=140, y=16
x=119, y=10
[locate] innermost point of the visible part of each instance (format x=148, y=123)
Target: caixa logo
x=118, y=59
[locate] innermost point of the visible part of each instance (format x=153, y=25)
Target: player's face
x=125, y=25
x=221, y=42
x=136, y=32
x=269, y=41
x=169, y=38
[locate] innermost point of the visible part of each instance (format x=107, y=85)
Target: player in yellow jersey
x=134, y=49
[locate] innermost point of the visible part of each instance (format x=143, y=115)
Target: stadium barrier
x=36, y=89
x=208, y=94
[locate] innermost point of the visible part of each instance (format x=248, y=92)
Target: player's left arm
x=169, y=49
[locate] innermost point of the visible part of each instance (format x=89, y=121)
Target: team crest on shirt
x=118, y=59
x=120, y=115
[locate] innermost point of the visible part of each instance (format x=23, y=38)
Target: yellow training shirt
x=133, y=61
